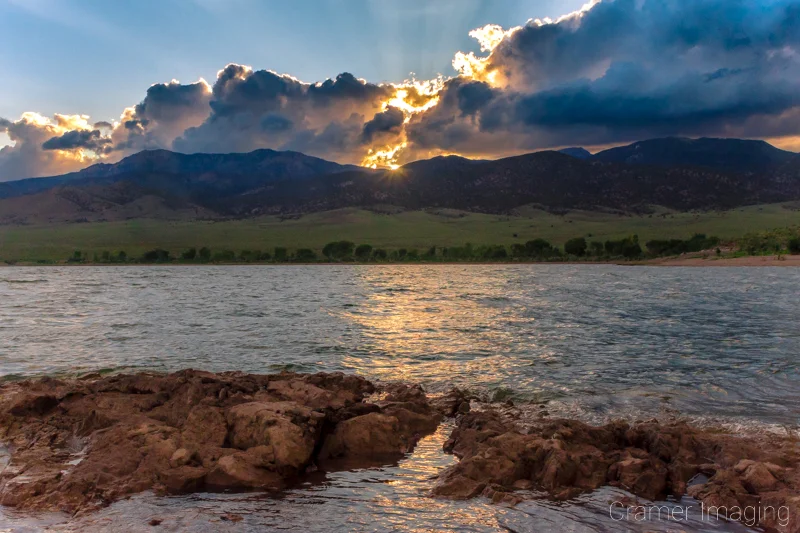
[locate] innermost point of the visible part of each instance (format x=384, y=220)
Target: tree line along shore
x=777, y=242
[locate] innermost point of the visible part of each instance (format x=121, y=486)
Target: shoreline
x=689, y=261
x=747, y=261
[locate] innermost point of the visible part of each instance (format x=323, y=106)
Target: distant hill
x=730, y=155
x=165, y=185
x=580, y=153
x=550, y=180
x=228, y=172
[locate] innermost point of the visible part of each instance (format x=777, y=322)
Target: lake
x=595, y=342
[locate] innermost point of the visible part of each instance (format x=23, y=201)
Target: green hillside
x=407, y=229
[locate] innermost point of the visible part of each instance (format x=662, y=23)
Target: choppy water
x=595, y=342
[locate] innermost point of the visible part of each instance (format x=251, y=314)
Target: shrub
x=697, y=243
x=281, y=254
x=363, y=252
x=458, y=252
x=305, y=255
x=576, y=247
x=250, y=255
x=225, y=255
x=596, y=248
x=338, y=249
x=379, y=254
x=156, y=256
x=628, y=247
x=204, y=254
x=794, y=246
x=518, y=250
x=494, y=251
x=757, y=243
x=540, y=248
x=189, y=255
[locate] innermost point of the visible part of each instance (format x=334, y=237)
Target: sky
x=90, y=80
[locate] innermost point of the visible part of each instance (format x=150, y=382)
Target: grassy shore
x=408, y=229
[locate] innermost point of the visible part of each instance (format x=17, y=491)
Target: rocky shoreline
x=80, y=444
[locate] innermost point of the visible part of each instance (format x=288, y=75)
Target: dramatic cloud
x=77, y=139
x=166, y=112
x=613, y=72
x=622, y=70
x=390, y=121
x=257, y=109
x=28, y=157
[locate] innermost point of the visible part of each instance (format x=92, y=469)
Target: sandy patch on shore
x=752, y=261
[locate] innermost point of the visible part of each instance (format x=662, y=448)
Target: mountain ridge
x=733, y=155
x=164, y=184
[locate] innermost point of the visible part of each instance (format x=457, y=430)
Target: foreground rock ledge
x=503, y=458
x=77, y=445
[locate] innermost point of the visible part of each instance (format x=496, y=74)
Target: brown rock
x=757, y=478
x=182, y=457
x=242, y=471
x=188, y=431
x=33, y=405
x=289, y=429
x=184, y=479
x=649, y=459
x=373, y=435
x=449, y=403
x=205, y=426
x=522, y=484
x=643, y=477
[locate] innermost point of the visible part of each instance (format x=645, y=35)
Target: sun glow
x=411, y=97
x=386, y=157
x=401, y=101
x=414, y=96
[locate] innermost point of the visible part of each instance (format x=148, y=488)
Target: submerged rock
x=652, y=460
x=80, y=444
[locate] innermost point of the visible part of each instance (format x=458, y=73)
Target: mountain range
x=676, y=173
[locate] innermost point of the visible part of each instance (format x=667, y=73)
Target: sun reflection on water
x=421, y=335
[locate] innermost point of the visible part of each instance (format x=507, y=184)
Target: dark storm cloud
x=256, y=109
x=626, y=69
x=275, y=122
x=474, y=96
x=672, y=35
x=389, y=121
x=75, y=139
x=166, y=111
x=345, y=87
